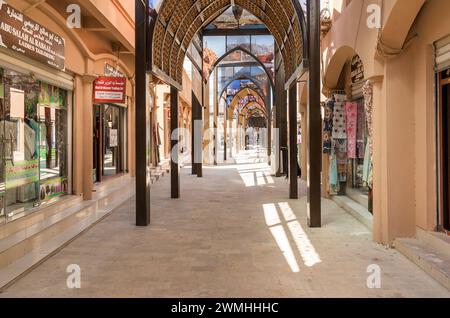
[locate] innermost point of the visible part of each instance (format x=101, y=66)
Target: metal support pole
x=314, y=118
x=142, y=119
x=174, y=156
x=293, y=131
x=197, y=145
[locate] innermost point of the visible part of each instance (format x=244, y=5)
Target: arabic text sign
x=110, y=90
x=22, y=35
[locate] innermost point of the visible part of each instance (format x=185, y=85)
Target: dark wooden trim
x=255, y=61
x=193, y=133
x=314, y=154
x=293, y=152
x=281, y=117
x=142, y=118
x=224, y=32
x=174, y=157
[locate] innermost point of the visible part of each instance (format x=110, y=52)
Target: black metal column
x=142, y=120
x=293, y=152
x=314, y=156
x=281, y=114
x=197, y=138
x=175, y=137
x=193, y=133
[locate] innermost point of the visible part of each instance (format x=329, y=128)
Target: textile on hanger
x=351, y=110
x=361, y=131
x=328, y=126
x=339, y=121
x=368, y=102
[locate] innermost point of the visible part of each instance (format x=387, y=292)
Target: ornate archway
x=178, y=21
x=170, y=31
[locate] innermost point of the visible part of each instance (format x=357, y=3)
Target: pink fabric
x=351, y=111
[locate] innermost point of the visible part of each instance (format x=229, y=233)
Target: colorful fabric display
x=333, y=173
x=339, y=98
x=339, y=122
x=351, y=110
x=361, y=131
x=368, y=99
x=341, y=158
x=328, y=127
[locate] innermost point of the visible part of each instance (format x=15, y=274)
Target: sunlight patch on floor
x=278, y=227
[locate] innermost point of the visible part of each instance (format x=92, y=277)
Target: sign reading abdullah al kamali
x=25, y=36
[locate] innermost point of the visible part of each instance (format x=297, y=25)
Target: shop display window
x=33, y=141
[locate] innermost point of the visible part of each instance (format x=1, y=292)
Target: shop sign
x=357, y=69
x=21, y=173
x=110, y=90
x=27, y=37
x=112, y=71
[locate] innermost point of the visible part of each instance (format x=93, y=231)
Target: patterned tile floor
x=233, y=233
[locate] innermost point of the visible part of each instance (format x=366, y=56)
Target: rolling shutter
x=442, y=49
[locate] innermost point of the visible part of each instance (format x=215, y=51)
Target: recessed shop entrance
x=444, y=87
x=109, y=129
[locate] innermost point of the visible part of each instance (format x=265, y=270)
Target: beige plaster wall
x=404, y=93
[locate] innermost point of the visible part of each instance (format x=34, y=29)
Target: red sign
x=110, y=90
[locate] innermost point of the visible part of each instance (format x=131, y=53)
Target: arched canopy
x=242, y=97
x=179, y=20
x=251, y=79
x=251, y=106
x=251, y=55
x=229, y=73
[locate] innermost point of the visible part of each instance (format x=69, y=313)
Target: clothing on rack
x=368, y=99
x=328, y=126
x=351, y=110
x=361, y=131
x=339, y=121
x=333, y=173
x=341, y=158
x=367, y=166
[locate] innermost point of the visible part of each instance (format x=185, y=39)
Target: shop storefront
x=443, y=84
x=346, y=135
x=110, y=127
x=35, y=116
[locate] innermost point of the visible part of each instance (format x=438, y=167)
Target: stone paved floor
x=233, y=233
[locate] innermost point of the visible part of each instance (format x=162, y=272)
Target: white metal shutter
x=442, y=49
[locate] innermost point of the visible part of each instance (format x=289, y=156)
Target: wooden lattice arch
x=179, y=20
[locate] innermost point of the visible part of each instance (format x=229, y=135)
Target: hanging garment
x=333, y=173
x=351, y=110
x=368, y=103
x=367, y=165
x=341, y=158
x=328, y=126
x=339, y=122
x=339, y=98
x=368, y=100
x=361, y=131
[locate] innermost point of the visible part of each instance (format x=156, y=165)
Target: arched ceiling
x=179, y=20
x=252, y=106
x=242, y=94
x=253, y=58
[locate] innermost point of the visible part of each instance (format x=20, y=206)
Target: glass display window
x=33, y=139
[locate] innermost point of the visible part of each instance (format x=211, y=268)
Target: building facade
x=61, y=140
x=388, y=60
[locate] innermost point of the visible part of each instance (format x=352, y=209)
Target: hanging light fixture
x=237, y=12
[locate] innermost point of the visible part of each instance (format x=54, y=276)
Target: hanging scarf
x=351, y=110
x=368, y=100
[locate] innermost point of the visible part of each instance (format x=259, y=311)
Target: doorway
x=444, y=87
x=108, y=141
